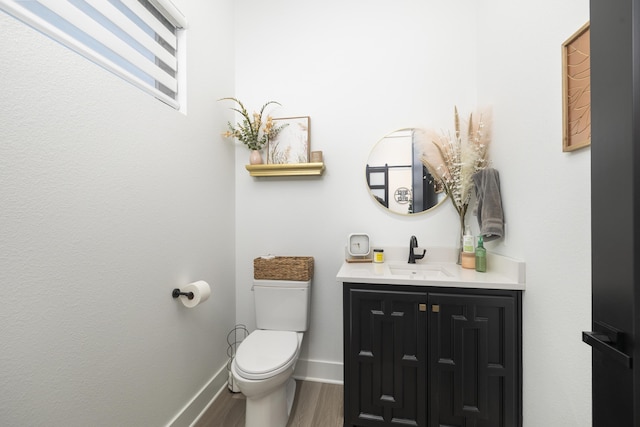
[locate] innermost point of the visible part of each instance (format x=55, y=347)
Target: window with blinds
x=138, y=40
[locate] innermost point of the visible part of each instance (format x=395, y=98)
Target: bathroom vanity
x=432, y=344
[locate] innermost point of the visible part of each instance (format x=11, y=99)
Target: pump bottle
x=481, y=256
x=467, y=240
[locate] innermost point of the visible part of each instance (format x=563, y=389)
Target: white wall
x=340, y=63
x=547, y=196
x=110, y=199
x=360, y=72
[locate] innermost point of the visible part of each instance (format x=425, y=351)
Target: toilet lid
x=265, y=353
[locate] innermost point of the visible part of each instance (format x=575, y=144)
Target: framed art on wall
x=292, y=143
x=576, y=90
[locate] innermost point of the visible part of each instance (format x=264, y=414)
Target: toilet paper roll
x=201, y=292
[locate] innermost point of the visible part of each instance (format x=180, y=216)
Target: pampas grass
x=461, y=155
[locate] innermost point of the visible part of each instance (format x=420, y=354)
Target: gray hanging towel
x=489, y=204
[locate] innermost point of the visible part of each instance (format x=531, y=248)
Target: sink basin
x=419, y=271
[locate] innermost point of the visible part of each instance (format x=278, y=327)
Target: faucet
x=413, y=243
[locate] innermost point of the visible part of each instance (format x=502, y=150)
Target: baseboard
x=201, y=401
x=319, y=371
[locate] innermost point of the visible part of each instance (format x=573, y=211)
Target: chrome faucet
x=413, y=243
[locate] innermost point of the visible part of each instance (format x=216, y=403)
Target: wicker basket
x=299, y=268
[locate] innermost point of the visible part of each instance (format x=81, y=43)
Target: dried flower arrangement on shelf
x=251, y=131
x=461, y=155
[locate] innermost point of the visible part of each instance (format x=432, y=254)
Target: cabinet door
x=474, y=363
x=385, y=358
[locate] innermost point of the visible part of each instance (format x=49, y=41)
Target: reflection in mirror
x=396, y=176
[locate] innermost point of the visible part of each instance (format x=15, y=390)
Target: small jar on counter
x=378, y=255
x=468, y=260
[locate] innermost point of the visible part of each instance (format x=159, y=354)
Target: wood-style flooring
x=316, y=405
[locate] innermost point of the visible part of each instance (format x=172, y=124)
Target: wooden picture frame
x=576, y=90
x=292, y=143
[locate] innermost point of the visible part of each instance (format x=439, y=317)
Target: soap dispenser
x=481, y=256
x=467, y=240
x=467, y=257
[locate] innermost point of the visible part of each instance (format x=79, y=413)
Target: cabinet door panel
x=473, y=362
x=386, y=358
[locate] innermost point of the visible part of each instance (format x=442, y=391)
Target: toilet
x=264, y=362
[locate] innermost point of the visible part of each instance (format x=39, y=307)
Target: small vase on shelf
x=255, y=158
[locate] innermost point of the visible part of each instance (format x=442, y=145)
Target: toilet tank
x=282, y=305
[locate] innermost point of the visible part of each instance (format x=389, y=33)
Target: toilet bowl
x=264, y=362
x=263, y=369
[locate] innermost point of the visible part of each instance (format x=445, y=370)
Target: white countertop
x=438, y=268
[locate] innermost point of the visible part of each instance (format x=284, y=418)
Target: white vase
x=255, y=158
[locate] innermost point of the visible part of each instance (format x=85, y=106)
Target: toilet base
x=291, y=394
x=272, y=409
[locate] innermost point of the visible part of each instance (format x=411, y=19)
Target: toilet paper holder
x=176, y=293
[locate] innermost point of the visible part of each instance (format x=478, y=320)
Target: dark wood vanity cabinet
x=474, y=372
x=432, y=356
x=385, y=357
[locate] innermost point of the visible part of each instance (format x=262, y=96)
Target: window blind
x=138, y=40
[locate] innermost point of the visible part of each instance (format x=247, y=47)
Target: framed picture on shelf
x=292, y=143
x=576, y=90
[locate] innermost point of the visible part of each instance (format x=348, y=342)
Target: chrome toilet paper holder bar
x=176, y=293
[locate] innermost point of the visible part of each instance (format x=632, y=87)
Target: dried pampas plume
x=460, y=156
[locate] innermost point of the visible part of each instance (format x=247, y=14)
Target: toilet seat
x=265, y=353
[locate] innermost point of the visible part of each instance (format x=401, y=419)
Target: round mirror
x=396, y=176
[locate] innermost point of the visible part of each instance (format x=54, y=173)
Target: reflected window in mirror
x=396, y=176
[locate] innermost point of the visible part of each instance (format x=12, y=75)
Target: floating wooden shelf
x=294, y=169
